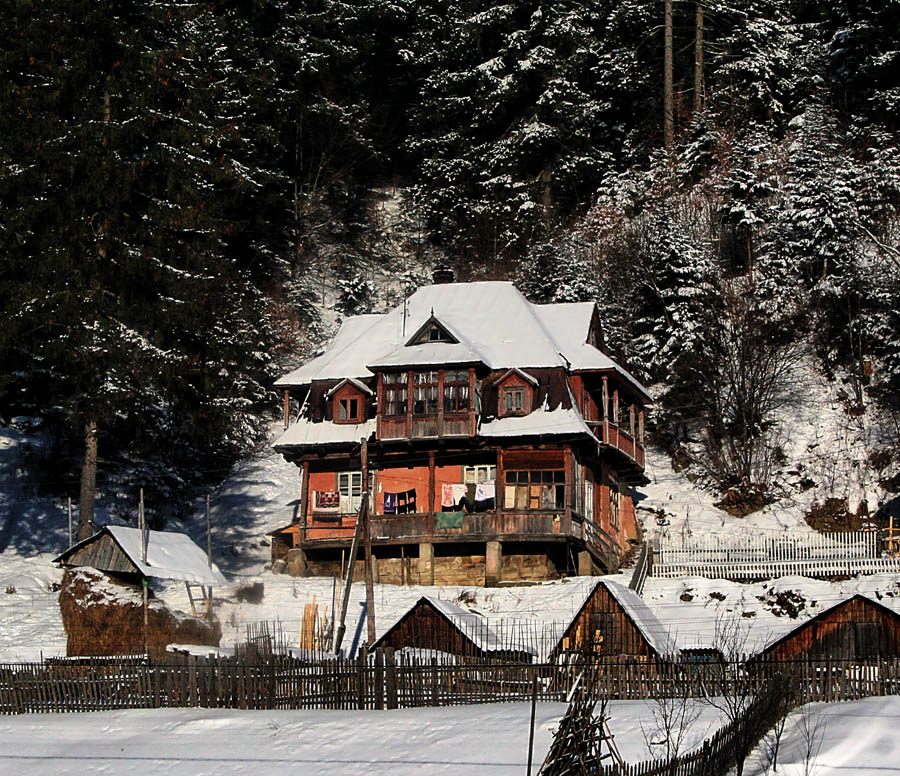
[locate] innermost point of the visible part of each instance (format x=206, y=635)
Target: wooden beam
x=605, y=397
x=430, y=507
x=304, y=488
x=287, y=408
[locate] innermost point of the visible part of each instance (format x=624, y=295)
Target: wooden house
x=859, y=628
x=440, y=626
x=614, y=621
x=502, y=441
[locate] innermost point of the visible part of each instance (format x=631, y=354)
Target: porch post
x=431, y=508
x=641, y=425
x=631, y=419
x=605, y=398
x=304, y=499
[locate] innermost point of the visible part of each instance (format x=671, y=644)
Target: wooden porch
x=438, y=527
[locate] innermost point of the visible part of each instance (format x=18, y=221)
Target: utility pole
x=209, y=598
x=70, y=522
x=367, y=538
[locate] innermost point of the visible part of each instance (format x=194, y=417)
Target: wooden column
x=605, y=398
x=287, y=408
x=431, y=494
x=631, y=419
x=379, y=404
x=473, y=416
x=492, y=564
x=615, y=417
x=440, y=407
x=304, y=503
x=641, y=426
x=409, y=403
x=499, y=487
x=570, y=480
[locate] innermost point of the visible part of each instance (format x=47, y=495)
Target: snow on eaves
x=304, y=432
x=170, y=555
x=428, y=353
x=362, y=387
x=541, y=421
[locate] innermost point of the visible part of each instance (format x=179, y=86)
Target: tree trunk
x=698, y=60
x=88, y=481
x=668, y=85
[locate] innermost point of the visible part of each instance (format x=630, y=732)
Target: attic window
x=348, y=410
x=432, y=331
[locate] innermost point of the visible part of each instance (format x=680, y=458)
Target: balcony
x=426, y=427
x=462, y=527
x=617, y=438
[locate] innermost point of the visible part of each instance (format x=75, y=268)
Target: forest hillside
x=192, y=195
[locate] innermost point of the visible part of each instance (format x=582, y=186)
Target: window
x=456, y=391
x=513, y=400
x=348, y=410
x=349, y=485
x=472, y=475
x=425, y=393
x=395, y=393
x=614, y=502
x=350, y=489
x=544, y=489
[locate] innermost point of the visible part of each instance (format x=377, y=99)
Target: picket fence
x=766, y=556
x=385, y=680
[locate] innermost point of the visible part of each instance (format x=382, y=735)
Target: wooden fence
x=762, y=556
x=386, y=679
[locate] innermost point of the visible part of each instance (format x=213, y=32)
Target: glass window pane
x=509, y=497
x=560, y=496
x=559, y=476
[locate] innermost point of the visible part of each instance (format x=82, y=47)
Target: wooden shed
x=859, y=628
x=432, y=624
x=118, y=550
x=612, y=621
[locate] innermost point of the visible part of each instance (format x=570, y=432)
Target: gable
x=432, y=331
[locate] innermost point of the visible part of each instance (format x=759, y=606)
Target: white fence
x=760, y=556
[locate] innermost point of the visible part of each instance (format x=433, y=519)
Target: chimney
x=442, y=274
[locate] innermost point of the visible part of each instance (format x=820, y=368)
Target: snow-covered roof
x=428, y=353
x=471, y=625
x=170, y=555
x=524, y=375
x=361, y=386
x=649, y=625
x=776, y=638
x=493, y=323
x=306, y=432
x=541, y=421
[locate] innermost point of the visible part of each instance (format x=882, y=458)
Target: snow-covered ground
x=858, y=738
x=487, y=739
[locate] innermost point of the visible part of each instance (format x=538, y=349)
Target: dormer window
x=432, y=331
x=513, y=399
x=349, y=399
x=515, y=393
x=348, y=410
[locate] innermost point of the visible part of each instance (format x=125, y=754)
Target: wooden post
x=641, y=425
x=390, y=677
x=304, y=503
x=287, y=408
x=367, y=536
x=209, y=596
x=631, y=420
x=348, y=579
x=431, y=494
x=615, y=412
x=605, y=398
x=70, y=522
x=145, y=582
x=499, y=488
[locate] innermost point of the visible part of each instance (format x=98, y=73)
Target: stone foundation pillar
x=585, y=564
x=492, y=563
x=426, y=564
x=295, y=562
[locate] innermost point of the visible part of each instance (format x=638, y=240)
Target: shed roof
x=493, y=322
x=170, y=555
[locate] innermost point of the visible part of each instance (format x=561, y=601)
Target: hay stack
x=105, y=617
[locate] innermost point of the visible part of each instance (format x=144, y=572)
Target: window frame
x=534, y=490
x=428, y=388
x=456, y=398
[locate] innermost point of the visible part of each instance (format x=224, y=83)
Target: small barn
x=432, y=624
x=117, y=550
x=858, y=628
x=612, y=621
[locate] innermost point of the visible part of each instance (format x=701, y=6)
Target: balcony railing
x=455, y=526
x=428, y=426
x=614, y=436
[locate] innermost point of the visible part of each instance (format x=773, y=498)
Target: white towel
x=459, y=492
x=484, y=490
